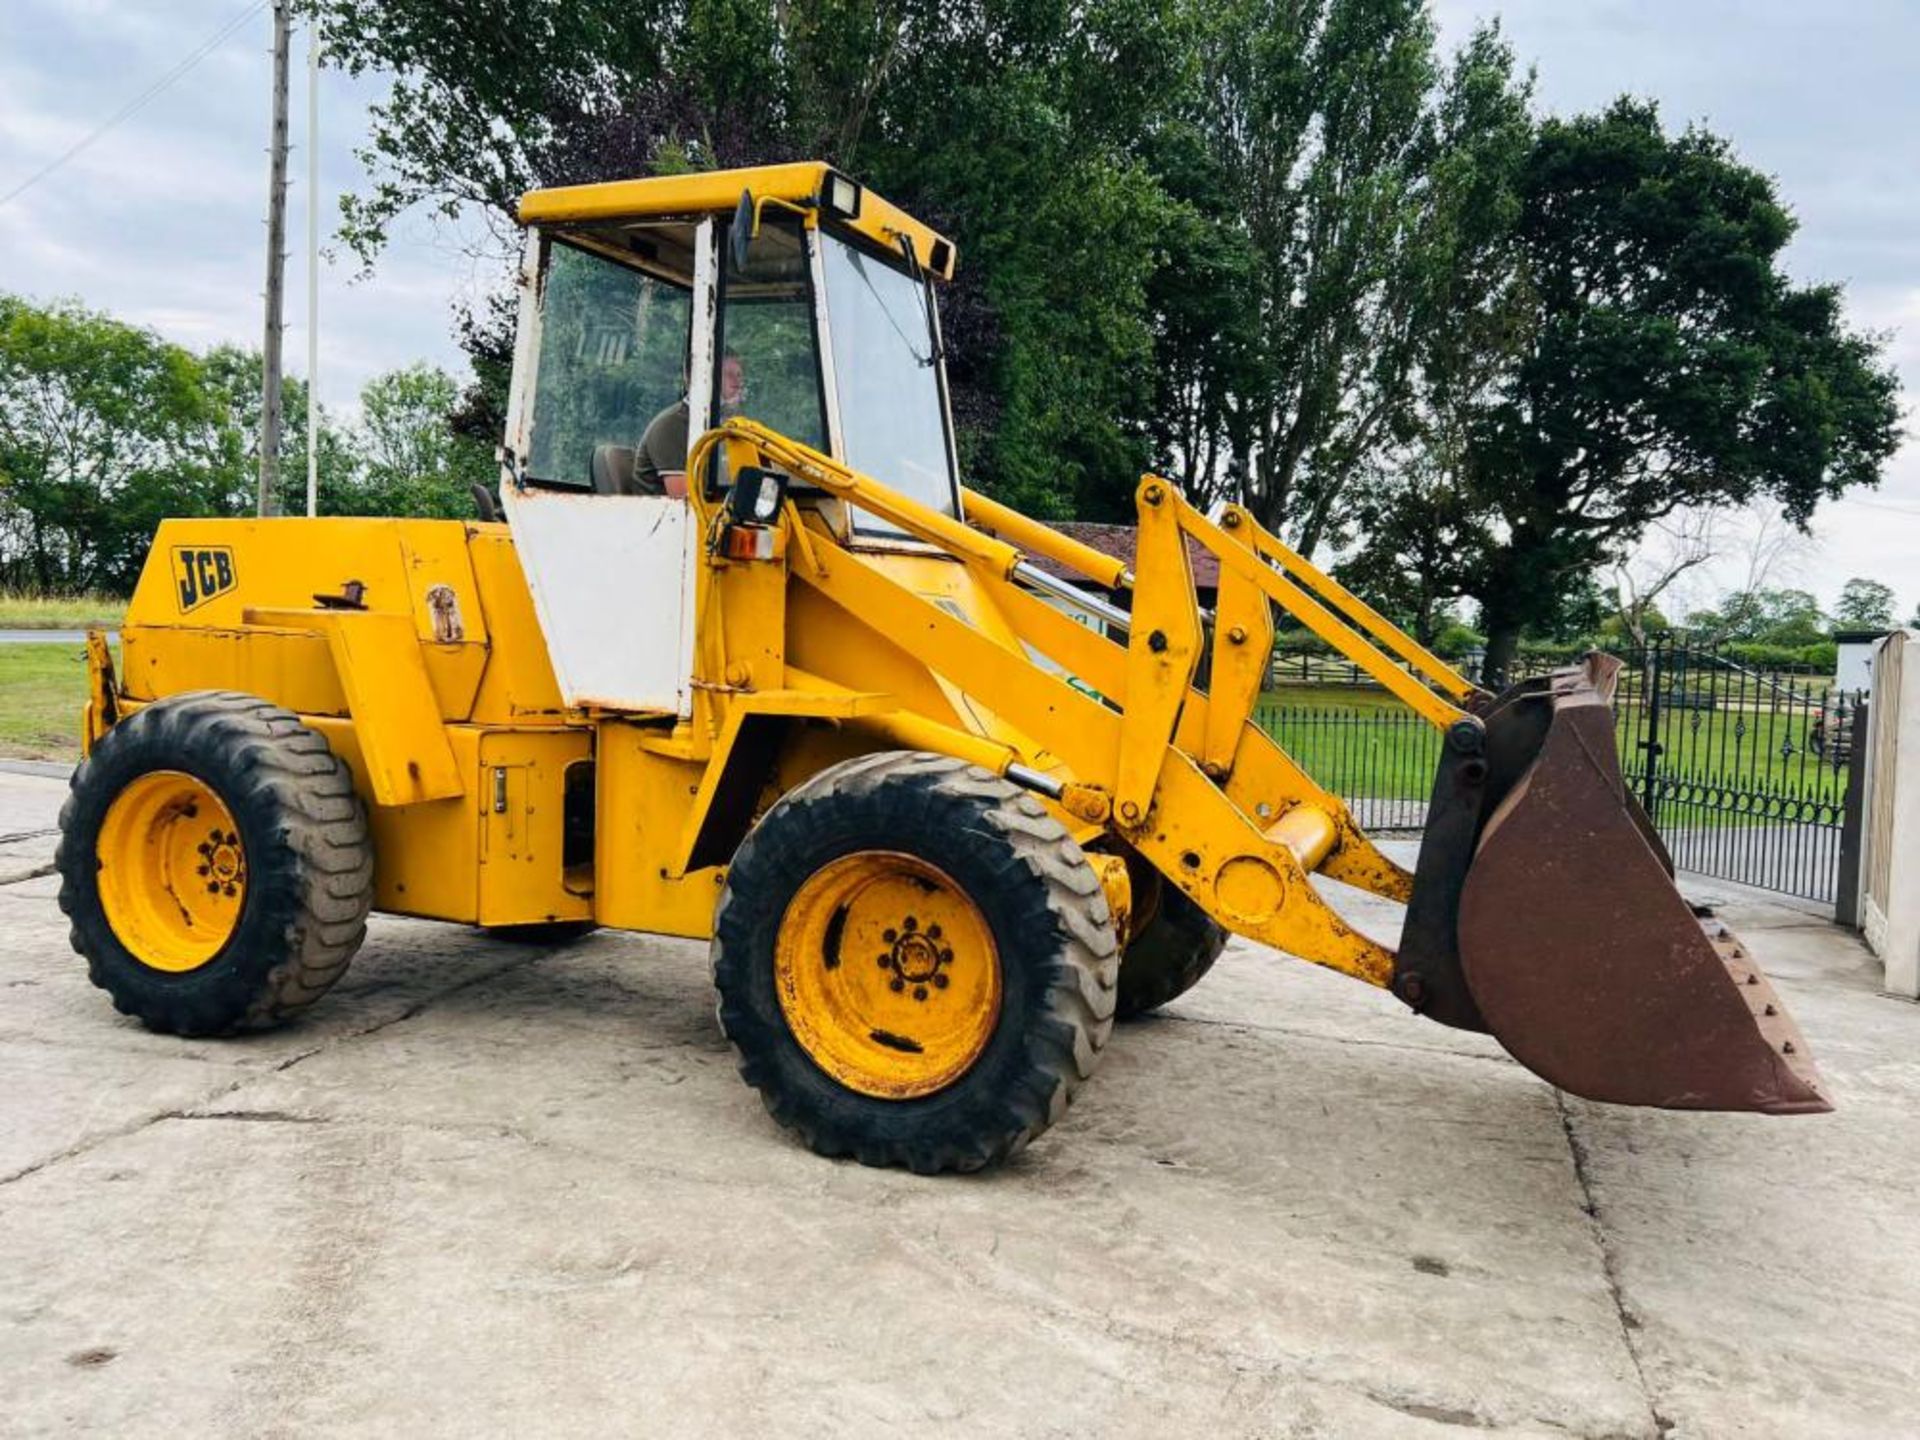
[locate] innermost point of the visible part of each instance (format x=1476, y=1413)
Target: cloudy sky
x=159, y=219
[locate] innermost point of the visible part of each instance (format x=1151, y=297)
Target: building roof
x=1120, y=541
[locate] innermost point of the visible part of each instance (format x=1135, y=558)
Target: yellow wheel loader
x=741, y=660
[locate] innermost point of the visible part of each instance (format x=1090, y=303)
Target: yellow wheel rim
x=887, y=975
x=173, y=873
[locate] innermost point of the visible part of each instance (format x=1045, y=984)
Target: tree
x=1677, y=546
x=1865, y=605
x=234, y=375
x=1665, y=363
x=1286, y=317
x=1765, y=617
x=413, y=462
x=1424, y=529
x=105, y=429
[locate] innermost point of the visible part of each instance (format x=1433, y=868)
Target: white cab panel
x=612, y=582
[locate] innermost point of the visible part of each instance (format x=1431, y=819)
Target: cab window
x=767, y=360
x=613, y=347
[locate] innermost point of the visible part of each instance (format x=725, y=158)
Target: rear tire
x=288, y=836
x=1170, y=956
x=986, y=1042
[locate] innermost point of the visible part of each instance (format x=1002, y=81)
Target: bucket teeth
x=1770, y=1016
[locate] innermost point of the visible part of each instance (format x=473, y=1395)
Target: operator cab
x=653, y=310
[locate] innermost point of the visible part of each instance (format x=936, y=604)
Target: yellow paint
x=103, y=704
x=887, y=974
x=1239, y=521
x=1163, y=647
x=644, y=800
x=172, y=870
x=1117, y=882
x=714, y=192
x=1242, y=657
x=986, y=513
x=521, y=784
x=396, y=716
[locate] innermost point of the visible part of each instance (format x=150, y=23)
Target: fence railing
x=1379, y=759
x=1743, y=772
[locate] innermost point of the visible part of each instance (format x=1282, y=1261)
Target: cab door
x=606, y=347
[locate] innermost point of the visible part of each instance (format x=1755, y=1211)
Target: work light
x=841, y=195
x=756, y=496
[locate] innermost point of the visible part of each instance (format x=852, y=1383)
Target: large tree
x=1658, y=359
x=1285, y=311
x=1865, y=604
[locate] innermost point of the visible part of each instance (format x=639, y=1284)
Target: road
x=44, y=637
x=489, y=1189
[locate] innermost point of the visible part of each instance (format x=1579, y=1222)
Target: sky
x=161, y=219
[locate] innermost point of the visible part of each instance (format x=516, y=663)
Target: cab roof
x=803, y=184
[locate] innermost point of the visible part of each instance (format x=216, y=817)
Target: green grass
x=43, y=689
x=66, y=612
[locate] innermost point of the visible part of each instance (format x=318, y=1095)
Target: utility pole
x=270, y=406
x=313, y=264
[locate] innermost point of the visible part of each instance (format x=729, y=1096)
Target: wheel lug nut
x=885, y=961
x=213, y=887
x=919, y=992
x=898, y=984
x=940, y=982
x=933, y=932
x=890, y=936
x=911, y=923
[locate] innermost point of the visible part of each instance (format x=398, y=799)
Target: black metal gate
x=1745, y=772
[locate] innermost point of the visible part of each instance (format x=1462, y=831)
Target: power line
x=1891, y=506
x=139, y=102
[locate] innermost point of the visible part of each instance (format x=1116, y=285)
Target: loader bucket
x=1569, y=942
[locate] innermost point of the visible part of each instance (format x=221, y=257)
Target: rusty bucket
x=1546, y=913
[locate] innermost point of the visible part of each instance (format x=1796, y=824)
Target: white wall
x=1890, y=865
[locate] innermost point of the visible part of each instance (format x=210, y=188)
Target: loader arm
x=1530, y=818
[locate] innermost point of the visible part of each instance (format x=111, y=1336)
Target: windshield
x=612, y=357
x=892, y=418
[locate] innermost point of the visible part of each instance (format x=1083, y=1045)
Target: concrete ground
x=489, y=1190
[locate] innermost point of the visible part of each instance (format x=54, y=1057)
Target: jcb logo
x=200, y=573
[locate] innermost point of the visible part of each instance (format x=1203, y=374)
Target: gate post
x=1651, y=741
x=1891, y=918
x=1846, y=900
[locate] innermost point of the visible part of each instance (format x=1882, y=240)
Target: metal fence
x=1745, y=773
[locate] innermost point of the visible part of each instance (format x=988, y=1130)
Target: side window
x=767, y=364
x=613, y=345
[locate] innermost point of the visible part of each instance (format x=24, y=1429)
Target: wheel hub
x=172, y=870
x=887, y=974
x=914, y=957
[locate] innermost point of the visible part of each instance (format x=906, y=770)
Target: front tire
x=215, y=864
x=915, y=963
x=1170, y=955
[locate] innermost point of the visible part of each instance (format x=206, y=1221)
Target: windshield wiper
x=936, y=352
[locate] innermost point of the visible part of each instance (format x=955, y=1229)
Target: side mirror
x=740, y=238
